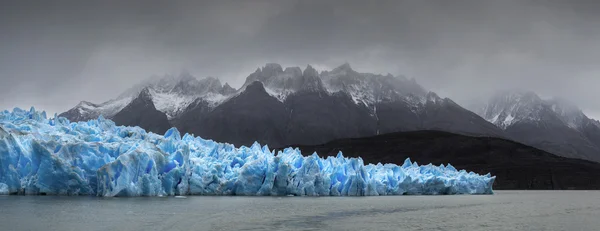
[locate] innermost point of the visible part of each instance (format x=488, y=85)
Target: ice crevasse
x=58, y=157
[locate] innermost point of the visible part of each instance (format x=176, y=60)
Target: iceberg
x=41, y=156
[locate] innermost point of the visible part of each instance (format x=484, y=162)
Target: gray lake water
x=506, y=210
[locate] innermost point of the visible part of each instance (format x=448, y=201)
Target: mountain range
x=278, y=106
x=554, y=125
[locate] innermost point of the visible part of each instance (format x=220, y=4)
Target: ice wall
x=54, y=156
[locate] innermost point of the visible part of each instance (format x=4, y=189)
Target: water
x=506, y=210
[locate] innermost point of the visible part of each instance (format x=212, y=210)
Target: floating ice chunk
x=54, y=156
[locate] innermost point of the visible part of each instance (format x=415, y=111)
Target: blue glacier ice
x=57, y=157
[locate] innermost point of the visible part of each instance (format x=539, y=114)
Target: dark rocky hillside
x=141, y=112
x=516, y=166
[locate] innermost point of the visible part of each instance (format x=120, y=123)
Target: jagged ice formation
x=54, y=156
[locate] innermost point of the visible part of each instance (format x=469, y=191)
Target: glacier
x=41, y=156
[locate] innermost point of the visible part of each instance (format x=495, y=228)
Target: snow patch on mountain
x=173, y=95
x=170, y=95
x=281, y=83
x=87, y=110
x=506, y=108
x=509, y=107
x=364, y=88
x=279, y=94
x=169, y=103
x=369, y=89
x=568, y=112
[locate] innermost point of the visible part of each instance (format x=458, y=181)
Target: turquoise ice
x=57, y=157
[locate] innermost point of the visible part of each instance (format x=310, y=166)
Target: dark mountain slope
x=553, y=125
x=446, y=115
x=141, y=112
x=515, y=165
x=316, y=117
x=250, y=116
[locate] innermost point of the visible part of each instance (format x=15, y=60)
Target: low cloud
x=54, y=55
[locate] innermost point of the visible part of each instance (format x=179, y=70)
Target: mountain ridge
x=312, y=107
x=554, y=125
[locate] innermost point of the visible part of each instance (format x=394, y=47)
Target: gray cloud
x=54, y=54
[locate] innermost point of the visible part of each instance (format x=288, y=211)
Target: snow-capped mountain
x=280, y=106
x=169, y=94
x=369, y=89
x=364, y=88
x=555, y=125
x=281, y=83
x=509, y=107
x=568, y=112
x=506, y=108
x=86, y=110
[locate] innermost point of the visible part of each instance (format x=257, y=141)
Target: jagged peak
x=343, y=67
x=272, y=66
x=145, y=93
x=84, y=103
x=515, y=98
x=145, y=97
x=432, y=94
x=294, y=71
x=432, y=97
x=509, y=106
x=568, y=111
x=226, y=90
x=255, y=86
x=212, y=80
x=310, y=71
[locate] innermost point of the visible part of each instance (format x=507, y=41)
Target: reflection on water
x=507, y=210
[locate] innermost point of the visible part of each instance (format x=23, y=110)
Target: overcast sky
x=54, y=54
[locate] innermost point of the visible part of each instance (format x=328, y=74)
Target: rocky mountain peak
x=343, y=68
x=310, y=71
x=145, y=94
x=509, y=107
x=433, y=97
x=555, y=125
x=568, y=112
x=272, y=68
x=255, y=86
x=516, y=97
x=293, y=71
x=227, y=90
x=144, y=98
x=86, y=104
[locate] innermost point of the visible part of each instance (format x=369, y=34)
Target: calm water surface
x=506, y=210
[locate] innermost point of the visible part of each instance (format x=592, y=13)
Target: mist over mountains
x=554, y=125
x=281, y=106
